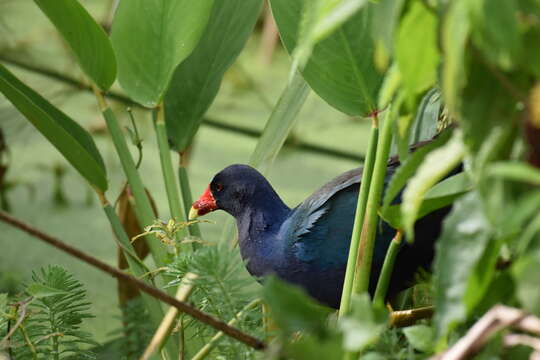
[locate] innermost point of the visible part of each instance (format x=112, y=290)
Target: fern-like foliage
x=136, y=331
x=222, y=288
x=51, y=329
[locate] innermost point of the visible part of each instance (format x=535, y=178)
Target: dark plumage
x=308, y=245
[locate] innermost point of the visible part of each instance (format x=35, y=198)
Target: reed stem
x=369, y=228
x=359, y=217
x=176, y=206
x=386, y=272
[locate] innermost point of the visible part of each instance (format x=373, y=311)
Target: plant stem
x=369, y=227
x=205, y=350
x=154, y=307
x=164, y=329
x=359, y=217
x=176, y=207
x=143, y=208
x=185, y=191
x=386, y=272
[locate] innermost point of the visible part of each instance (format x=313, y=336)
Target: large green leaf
x=364, y=325
x=496, y=30
x=385, y=20
x=465, y=236
x=66, y=135
x=85, y=37
x=416, y=49
x=196, y=80
x=525, y=273
x=150, y=38
x=454, y=36
x=293, y=310
x=341, y=68
x=320, y=19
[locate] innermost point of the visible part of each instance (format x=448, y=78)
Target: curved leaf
x=434, y=167
x=85, y=37
x=151, y=37
x=341, y=68
x=454, y=35
x=196, y=80
x=407, y=169
x=416, y=48
x=75, y=144
x=513, y=170
x=465, y=237
x=439, y=196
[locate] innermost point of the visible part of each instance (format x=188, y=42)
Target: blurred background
x=38, y=186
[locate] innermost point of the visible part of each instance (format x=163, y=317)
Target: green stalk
x=275, y=132
x=143, y=208
x=386, y=272
x=185, y=192
x=369, y=227
x=154, y=307
x=205, y=350
x=359, y=217
x=176, y=207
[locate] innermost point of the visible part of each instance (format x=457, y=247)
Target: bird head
x=232, y=190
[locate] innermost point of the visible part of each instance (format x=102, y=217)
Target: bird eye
x=219, y=187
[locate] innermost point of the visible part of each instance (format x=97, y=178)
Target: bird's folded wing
x=305, y=215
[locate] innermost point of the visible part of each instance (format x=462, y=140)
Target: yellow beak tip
x=193, y=213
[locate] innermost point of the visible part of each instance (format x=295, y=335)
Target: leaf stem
x=185, y=192
x=369, y=227
x=176, y=206
x=154, y=307
x=386, y=272
x=359, y=217
x=143, y=208
x=205, y=350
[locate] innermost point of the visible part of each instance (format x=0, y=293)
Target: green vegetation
x=384, y=75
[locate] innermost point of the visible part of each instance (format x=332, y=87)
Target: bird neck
x=263, y=214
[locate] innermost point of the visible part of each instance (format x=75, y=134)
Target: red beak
x=204, y=205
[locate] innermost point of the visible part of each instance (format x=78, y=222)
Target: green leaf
x=364, y=325
x=439, y=196
x=75, y=143
x=321, y=18
x=385, y=21
x=455, y=33
x=85, y=37
x=489, y=109
x=151, y=38
x=293, y=310
x=518, y=171
x=434, y=168
x=495, y=30
x=341, y=68
x=465, y=236
x=39, y=291
x=416, y=49
x=426, y=122
x=421, y=337
x=407, y=169
x=197, y=79
x=525, y=274
x=309, y=347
